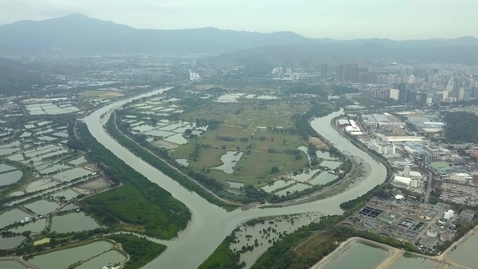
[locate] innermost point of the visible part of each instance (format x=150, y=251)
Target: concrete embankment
x=339, y=250
x=393, y=255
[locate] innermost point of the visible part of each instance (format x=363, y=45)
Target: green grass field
x=102, y=94
x=251, y=123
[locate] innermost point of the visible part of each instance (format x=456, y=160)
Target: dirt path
x=20, y=260
x=393, y=255
x=344, y=246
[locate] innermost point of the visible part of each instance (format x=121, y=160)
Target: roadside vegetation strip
x=166, y=216
x=161, y=165
x=140, y=250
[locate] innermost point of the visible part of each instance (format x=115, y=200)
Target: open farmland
x=102, y=94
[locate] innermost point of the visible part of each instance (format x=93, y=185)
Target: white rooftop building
x=402, y=181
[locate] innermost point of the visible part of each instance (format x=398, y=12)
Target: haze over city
x=339, y=19
x=238, y=134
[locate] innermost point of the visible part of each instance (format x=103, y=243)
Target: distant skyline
x=338, y=19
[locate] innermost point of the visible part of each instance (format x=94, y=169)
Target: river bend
x=210, y=224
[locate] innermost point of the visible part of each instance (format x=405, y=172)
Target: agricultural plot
x=50, y=106
x=44, y=164
x=102, y=94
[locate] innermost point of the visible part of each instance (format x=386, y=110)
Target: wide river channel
x=210, y=224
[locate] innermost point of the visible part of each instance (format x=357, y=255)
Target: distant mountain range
x=16, y=77
x=80, y=34
x=366, y=54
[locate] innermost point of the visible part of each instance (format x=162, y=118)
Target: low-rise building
x=440, y=167
x=466, y=215
x=402, y=181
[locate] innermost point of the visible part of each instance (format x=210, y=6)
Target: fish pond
x=11, y=265
x=34, y=227
x=73, y=222
x=359, y=256
x=10, y=242
x=64, y=258
x=411, y=261
x=277, y=185
x=465, y=253
x=323, y=178
x=229, y=160
x=12, y=216
x=42, y=207
x=104, y=259
x=10, y=177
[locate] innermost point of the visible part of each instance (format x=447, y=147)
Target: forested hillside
x=461, y=127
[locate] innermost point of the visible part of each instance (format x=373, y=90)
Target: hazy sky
x=342, y=19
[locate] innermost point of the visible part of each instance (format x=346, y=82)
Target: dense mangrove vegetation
x=136, y=201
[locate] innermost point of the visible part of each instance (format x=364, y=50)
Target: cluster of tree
x=260, y=107
x=291, y=131
x=207, y=181
x=342, y=102
x=26, y=249
x=320, y=90
x=167, y=215
x=341, y=90
x=140, y=250
x=254, y=194
x=239, y=111
x=196, y=151
x=461, y=127
x=302, y=88
x=223, y=257
x=302, y=120
x=211, y=124
x=73, y=142
x=244, y=139
x=225, y=138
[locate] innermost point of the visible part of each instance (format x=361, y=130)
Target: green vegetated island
x=243, y=144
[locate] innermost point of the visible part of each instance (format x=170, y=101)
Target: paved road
x=20, y=260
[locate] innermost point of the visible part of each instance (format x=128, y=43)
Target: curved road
x=210, y=224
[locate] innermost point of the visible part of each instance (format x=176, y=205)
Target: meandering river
x=210, y=224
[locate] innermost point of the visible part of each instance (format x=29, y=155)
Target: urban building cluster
x=406, y=140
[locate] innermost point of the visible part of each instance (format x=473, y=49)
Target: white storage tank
x=449, y=214
x=452, y=213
